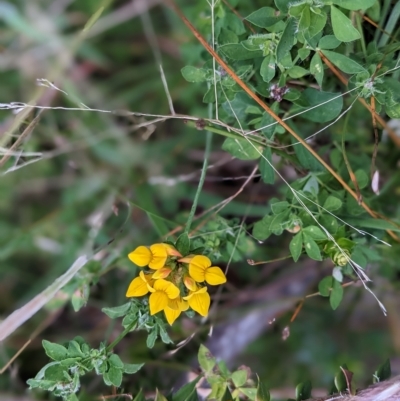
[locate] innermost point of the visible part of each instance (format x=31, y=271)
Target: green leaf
x=264, y=17
x=80, y=297
x=332, y=203
x=267, y=69
x=383, y=372
x=242, y=149
x=71, y=397
x=187, y=391
x=238, y=52
x=131, y=368
x=307, y=160
x=165, y=338
x=55, y=351
x=296, y=246
x=311, y=248
x=140, y=396
x=303, y=391
x=325, y=285
x=262, y=392
x=239, y=378
x=283, y=5
x=369, y=222
x=303, y=53
x=329, y=222
x=218, y=389
x=152, y=337
x=115, y=360
x=354, y=4
x=277, y=222
x=296, y=8
x=362, y=179
x=287, y=39
x=206, y=360
x=117, y=311
x=374, y=12
x=249, y=392
x=227, y=36
x=227, y=396
x=159, y=396
x=74, y=350
x=342, y=26
x=336, y=294
x=312, y=185
x=279, y=207
x=315, y=233
x=183, y=244
x=393, y=110
x=235, y=23
x=340, y=380
x=265, y=166
x=328, y=42
x=297, y=72
x=311, y=24
x=193, y=74
x=261, y=229
x=269, y=122
x=114, y=375
x=317, y=68
x=238, y=106
x=329, y=105
x=69, y=362
x=344, y=63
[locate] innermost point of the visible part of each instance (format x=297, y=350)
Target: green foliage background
x=99, y=177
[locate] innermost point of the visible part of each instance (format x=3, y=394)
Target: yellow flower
x=162, y=273
x=199, y=301
x=190, y=284
x=140, y=285
x=200, y=270
x=174, y=308
x=154, y=257
x=161, y=292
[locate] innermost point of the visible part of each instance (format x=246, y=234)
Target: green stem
x=121, y=336
x=203, y=173
x=359, y=27
x=233, y=135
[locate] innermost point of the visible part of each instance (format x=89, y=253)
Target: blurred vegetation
x=104, y=182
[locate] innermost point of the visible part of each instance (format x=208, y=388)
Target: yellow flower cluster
x=174, y=282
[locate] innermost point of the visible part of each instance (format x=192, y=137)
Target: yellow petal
x=158, y=301
x=183, y=305
x=199, y=291
x=159, y=250
x=215, y=276
x=200, y=303
x=197, y=273
x=171, y=315
x=159, y=256
x=186, y=259
x=137, y=288
x=190, y=283
x=174, y=304
x=178, y=304
x=141, y=256
x=172, y=251
x=202, y=261
x=161, y=273
x=171, y=290
x=198, y=266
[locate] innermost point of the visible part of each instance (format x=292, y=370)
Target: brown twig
x=239, y=16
